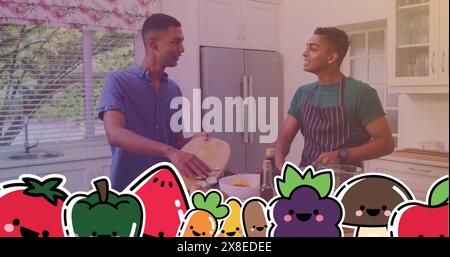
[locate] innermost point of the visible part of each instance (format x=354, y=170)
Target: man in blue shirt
x=135, y=108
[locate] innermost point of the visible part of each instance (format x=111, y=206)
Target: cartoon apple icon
x=104, y=213
x=419, y=219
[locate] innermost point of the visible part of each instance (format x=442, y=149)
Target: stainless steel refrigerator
x=228, y=72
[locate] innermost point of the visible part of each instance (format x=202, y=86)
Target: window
x=366, y=61
x=53, y=78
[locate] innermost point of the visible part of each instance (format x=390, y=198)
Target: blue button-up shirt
x=147, y=113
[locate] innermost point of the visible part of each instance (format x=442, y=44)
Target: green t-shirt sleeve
x=370, y=107
x=294, y=108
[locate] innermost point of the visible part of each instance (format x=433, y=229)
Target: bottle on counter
x=269, y=155
x=266, y=190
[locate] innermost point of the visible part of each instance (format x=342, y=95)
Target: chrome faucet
x=27, y=145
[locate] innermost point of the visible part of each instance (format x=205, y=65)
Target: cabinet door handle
x=420, y=170
x=250, y=119
x=244, y=32
x=443, y=62
x=433, y=60
x=238, y=28
x=245, y=92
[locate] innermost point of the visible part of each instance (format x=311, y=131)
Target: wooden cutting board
x=214, y=152
x=422, y=154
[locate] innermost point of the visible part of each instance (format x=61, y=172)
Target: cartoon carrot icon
x=202, y=220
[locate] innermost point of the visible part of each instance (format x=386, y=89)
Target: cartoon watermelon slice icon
x=164, y=196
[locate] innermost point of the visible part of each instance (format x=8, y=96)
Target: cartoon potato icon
x=254, y=218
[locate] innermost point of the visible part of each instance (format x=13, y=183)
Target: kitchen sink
x=33, y=156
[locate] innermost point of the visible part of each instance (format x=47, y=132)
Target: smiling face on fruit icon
x=232, y=226
x=164, y=181
x=254, y=218
x=420, y=219
x=304, y=207
x=202, y=220
x=103, y=213
x=305, y=214
x=369, y=201
x=198, y=227
x=31, y=207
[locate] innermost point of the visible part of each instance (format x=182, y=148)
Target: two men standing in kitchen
x=342, y=119
x=135, y=108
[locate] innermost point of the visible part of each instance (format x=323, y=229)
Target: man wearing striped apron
x=342, y=120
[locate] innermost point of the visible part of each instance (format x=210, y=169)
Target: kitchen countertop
x=72, y=152
x=420, y=157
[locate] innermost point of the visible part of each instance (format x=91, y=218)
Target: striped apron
x=325, y=129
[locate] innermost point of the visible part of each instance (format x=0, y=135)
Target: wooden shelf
x=412, y=46
x=413, y=6
x=418, y=89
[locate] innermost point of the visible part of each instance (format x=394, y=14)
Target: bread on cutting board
x=215, y=153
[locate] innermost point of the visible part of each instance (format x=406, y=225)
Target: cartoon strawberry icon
x=164, y=197
x=31, y=207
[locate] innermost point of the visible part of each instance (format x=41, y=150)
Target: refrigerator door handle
x=238, y=29
x=244, y=96
x=250, y=94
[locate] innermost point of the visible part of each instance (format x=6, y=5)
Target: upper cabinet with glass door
x=418, y=40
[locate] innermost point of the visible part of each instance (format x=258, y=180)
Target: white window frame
x=90, y=139
x=347, y=67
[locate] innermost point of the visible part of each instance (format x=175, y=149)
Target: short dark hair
x=158, y=22
x=338, y=39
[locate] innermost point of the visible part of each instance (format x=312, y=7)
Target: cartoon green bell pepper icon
x=104, y=213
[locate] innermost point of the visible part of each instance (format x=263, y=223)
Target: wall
x=186, y=73
x=298, y=19
x=423, y=119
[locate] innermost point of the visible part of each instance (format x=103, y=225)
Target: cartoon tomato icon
x=31, y=207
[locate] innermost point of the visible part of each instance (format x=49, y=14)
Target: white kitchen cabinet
x=418, y=43
x=11, y=173
x=245, y=24
x=101, y=167
x=260, y=25
x=219, y=22
x=79, y=173
x=443, y=42
x=417, y=177
x=75, y=173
